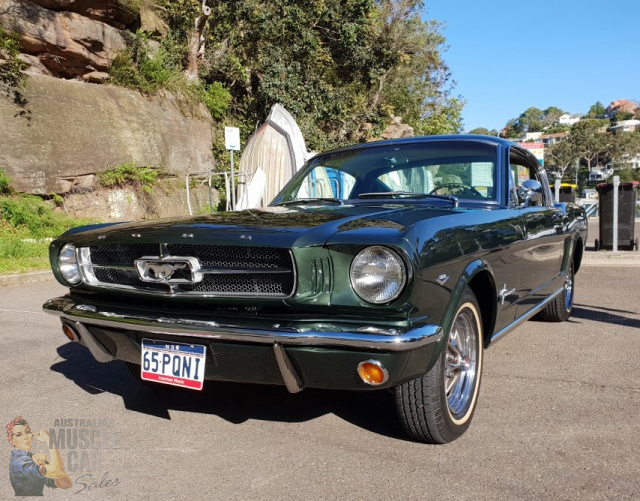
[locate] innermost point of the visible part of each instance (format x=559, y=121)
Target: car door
x=543, y=245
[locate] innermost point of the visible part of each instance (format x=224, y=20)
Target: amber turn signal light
x=372, y=372
x=68, y=331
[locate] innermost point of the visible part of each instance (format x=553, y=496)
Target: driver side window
x=520, y=173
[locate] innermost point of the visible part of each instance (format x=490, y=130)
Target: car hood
x=270, y=226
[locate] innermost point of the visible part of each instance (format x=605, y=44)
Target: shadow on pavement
x=606, y=316
x=236, y=403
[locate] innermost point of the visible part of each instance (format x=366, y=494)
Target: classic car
x=387, y=265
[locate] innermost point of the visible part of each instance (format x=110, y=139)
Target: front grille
x=235, y=271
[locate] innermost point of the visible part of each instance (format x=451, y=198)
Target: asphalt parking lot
x=557, y=418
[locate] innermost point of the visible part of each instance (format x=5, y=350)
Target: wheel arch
x=484, y=288
x=578, y=251
x=479, y=278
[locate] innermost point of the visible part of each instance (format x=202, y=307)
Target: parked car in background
x=387, y=265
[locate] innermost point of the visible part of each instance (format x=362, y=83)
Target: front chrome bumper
x=85, y=316
x=89, y=313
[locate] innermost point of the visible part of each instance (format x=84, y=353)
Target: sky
x=509, y=55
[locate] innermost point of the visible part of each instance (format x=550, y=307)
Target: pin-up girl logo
x=29, y=473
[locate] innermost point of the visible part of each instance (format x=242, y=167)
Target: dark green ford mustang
x=383, y=265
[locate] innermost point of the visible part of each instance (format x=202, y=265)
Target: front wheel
x=438, y=407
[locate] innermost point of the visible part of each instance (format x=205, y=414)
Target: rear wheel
x=559, y=309
x=438, y=407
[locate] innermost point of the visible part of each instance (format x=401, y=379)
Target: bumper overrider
x=297, y=354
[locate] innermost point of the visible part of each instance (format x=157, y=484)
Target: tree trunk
x=196, y=43
x=376, y=96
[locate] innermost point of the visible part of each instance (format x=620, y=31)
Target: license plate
x=177, y=364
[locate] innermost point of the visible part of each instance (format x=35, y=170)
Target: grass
x=27, y=224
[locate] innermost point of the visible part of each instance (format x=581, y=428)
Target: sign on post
x=232, y=143
x=232, y=138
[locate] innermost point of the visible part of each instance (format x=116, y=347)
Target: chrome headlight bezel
x=68, y=265
x=378, y=274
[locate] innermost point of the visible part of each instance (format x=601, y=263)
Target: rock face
x=66, y=43
x=397, y=130
x=77, y=129
x=108, y=11
x=169, y=199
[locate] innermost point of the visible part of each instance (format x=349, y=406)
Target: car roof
x=427, y=139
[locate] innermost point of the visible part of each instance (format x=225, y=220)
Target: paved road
x=558, y=418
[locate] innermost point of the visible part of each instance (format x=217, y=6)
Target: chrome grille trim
x=227, y=271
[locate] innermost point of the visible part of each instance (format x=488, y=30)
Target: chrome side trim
x=291, y=379
x=500, y=335
x=65, y=307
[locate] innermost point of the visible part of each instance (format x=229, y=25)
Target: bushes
x=138, y=68
x=27, y=223
x=32, y=217
x=129, y=174
x=5, y=188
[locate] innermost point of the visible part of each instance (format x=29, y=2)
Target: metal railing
x=229, y=186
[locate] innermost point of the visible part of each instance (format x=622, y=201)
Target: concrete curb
x=607, y=258
x=24, y=278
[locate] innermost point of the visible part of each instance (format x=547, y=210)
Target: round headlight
x=68, y=264
x=378, y=275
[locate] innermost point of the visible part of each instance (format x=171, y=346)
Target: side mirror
x=530, y=193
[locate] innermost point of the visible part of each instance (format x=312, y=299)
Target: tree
x=483, y=131
x=511, y=129
x=341, y=67
x=596, y=110
x=590, y=139
x=624, y=146
x=196, y=49
x=560, y=156
x=623, y=115
x=531, y=120
x=551, y=116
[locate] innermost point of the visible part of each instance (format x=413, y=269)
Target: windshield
x=465, y=170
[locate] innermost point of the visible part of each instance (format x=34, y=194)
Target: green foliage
x=139, y=68
x=5, y=187
x=33, y=217
x=555, y=129
x=57, y=199
x=483, y=131
x=129, y=174
x=596, y=110
x=217, y=99
x=11, y=65
x=11, y=77
x=27, y=224
x=627, y=174
x=340, y=67
x=623, y=115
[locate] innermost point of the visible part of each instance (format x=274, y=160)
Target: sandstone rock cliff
x=77, y=129
x=66, y=43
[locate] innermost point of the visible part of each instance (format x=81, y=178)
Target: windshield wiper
x=307, y=201
x=409, y=194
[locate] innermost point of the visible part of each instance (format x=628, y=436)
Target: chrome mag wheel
x=438, y=407
x=568, y=291
x=461, y=364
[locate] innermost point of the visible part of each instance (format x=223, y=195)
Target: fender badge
x=442, y=279
x=502, y=295
x=245, y=237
